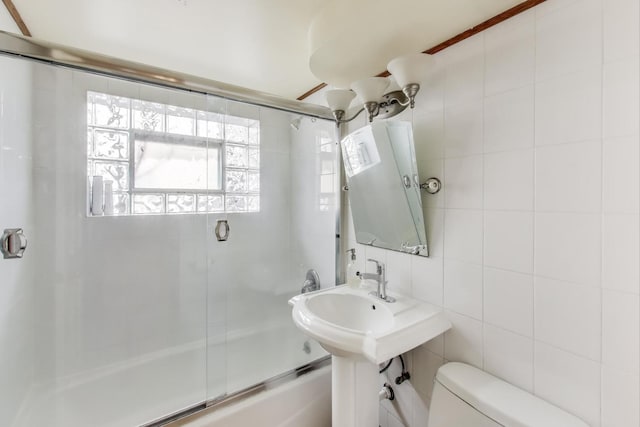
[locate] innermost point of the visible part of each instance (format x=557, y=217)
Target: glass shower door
x=126, y=309
x=103, y=321
x=17, y=352
x=281, y=225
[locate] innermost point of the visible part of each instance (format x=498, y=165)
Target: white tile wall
x=508, y=119
x=620, y=103
x=463, y=288
x=567, y=247
x=400, y=274
x=510, y=55
x=620, y=331
x=621, y=175
x=508, y=180
x=463, y=231
x=312, y=238
x=569, y=381
x=620, y=252
x=538, y=265
x=463, y=342
x=508, y=240
x=568, y=107
x=509, y=356
x=463, y=129
x=568, y=316
x=508, y=300
x=426, y=275
x=568, y=177
x=464, y=64
x=568, y=37
x=620, y=398
x=464, y=182
x=620, y=28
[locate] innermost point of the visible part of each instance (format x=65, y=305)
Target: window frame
x=135, y=135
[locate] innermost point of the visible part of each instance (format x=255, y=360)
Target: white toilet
x=464, y=396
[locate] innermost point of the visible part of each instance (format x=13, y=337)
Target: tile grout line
x=533, y=195
x=638, y=141
x=482, y=189
x=602, y=216
x=444, y=198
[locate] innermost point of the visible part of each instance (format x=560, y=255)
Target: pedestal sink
x=361, y=331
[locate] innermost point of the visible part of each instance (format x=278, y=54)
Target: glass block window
x=166, y=159
x=326, y=146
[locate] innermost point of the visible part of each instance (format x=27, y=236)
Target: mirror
x=384, y=188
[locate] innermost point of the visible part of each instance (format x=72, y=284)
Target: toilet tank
x=464, y=396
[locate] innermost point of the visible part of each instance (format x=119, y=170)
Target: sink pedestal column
x=354, y=393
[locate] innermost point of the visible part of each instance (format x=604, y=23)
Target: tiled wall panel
x=534, y=240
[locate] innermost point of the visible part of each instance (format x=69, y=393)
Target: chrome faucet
x=381, y=279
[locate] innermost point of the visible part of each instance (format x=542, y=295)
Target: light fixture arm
x=401, y=100
x=391, y=104
x=339, y=114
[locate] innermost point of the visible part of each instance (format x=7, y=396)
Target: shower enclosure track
x=226, y=400
x=51, y=53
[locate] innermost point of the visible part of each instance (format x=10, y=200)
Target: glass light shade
x=339, y=99
x=412, y=68
x=370, y=89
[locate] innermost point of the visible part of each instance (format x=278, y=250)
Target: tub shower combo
x=154, y=226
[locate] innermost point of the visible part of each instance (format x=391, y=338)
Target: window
x=165, y=159
x=327, y=159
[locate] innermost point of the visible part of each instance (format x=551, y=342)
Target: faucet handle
x=379, y=265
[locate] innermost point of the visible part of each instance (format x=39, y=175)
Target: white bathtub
x=304, y=401
x=134, y=392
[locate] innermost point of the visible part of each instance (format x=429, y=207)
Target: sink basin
x=351, y=311
x=361, y=331
x=348, y=322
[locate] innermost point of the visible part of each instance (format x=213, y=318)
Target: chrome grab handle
x=222, y=224
x=14, y=243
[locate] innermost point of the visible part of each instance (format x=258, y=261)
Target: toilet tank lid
x=501, y=401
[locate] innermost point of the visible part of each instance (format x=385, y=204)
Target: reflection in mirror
x=384, y=189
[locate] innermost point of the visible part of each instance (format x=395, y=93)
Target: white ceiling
x=258, y=44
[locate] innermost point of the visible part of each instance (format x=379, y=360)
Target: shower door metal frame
x=55, y=54
x=77, y=59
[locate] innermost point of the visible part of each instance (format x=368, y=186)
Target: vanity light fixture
x=408, y=70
